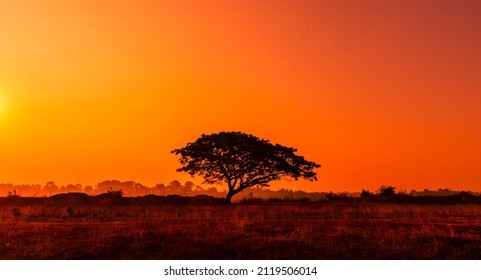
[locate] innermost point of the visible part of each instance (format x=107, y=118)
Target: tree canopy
x=241, y=161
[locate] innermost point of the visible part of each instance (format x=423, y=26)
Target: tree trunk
x=229, y=196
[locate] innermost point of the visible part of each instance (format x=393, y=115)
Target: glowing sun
x=3, y=104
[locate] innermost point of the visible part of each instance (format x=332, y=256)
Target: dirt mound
x=207, y=200
x=110, y=199
x=175, y=199
x=148, y=200
x=22, y=201
x=70, y=198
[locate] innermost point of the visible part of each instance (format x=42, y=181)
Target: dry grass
x=258, y=231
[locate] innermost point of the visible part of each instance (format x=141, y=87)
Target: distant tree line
x=133, y=189
x=128, y=188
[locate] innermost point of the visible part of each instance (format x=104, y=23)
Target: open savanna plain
x=81, y=227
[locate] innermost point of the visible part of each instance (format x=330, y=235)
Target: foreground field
x=323, y=230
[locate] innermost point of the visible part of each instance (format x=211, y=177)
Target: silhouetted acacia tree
x=242, y=161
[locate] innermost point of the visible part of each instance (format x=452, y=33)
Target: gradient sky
x=378, y=92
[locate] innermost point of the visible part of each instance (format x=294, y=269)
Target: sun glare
x=3, y=104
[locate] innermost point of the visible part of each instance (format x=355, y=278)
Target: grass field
x=281, y=230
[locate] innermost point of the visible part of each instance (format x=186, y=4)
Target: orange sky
x=378, y=92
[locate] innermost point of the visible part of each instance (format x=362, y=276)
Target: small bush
x=365, y=193
x=387, y=191
x=115, y=192
x=16, y=212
